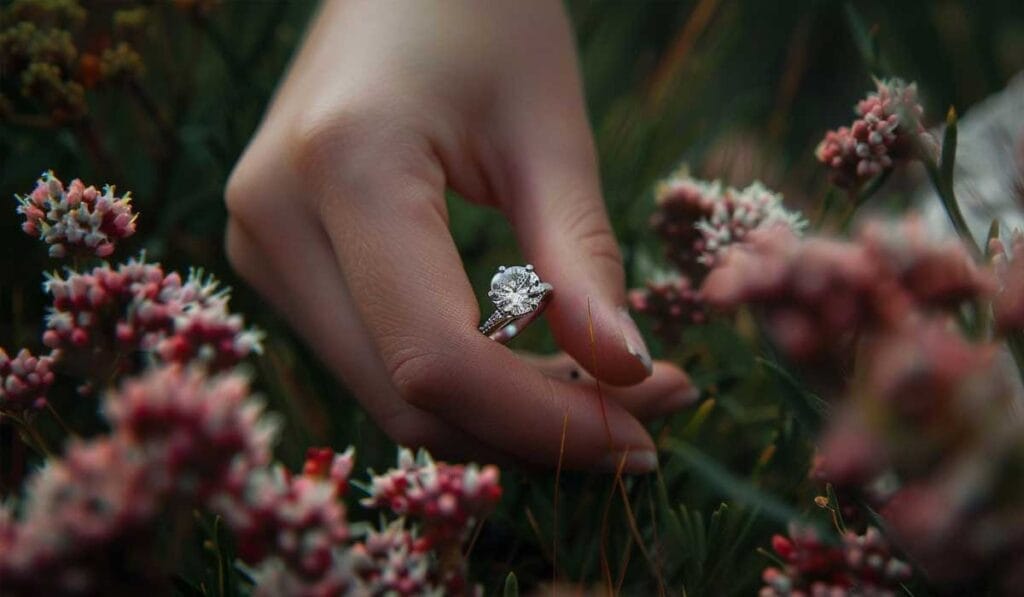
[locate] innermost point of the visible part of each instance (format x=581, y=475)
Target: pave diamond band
x=519, y=297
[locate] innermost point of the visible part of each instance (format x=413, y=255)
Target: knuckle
x=418, y=374
x=320, y=139
x=589, y=228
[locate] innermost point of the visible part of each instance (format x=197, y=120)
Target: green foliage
x=738, y=89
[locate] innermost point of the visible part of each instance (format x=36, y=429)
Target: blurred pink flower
x=80, y=512
x=295, y=524
x=671, y=303
x=91, y=517
x=393, y=562
x=815, y=295
x=818, y=296
x=698, y=220
x=194, y=428
x=887, y=130
x=447, y=498
x=939, y=273
x=24, y=381
x=77, y=220
x=859, y=565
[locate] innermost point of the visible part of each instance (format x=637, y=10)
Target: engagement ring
x=519, y=297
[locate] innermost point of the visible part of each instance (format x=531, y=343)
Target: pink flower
x=739, y=212
x=80, y=512
x=393, y=562
x=938, y=273
x=90, y=519
x=889, y=121
x=199, y=428
x=78, y=220
x=671, y=303
x=817, y=296
x=860, y=565
x=297, y=522
x=698, y=220
x=103, y=317
x=814, y=295
x=446, y=498
x=24, y=381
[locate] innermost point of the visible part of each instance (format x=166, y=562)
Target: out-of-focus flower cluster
x=917, y=404
x=697, y=222
x=88, y=516
x=107, y=315
x=78, y=220
x=887, y=129
x=294, y=532
x=859, y=565
x=671, y=303
x=182, y=440
x=50, y=54
x=818, y=296
x=24, y=381
x=293, y=527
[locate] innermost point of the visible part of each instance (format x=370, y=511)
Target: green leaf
x=511, y=585
x=730, y=484
x=808, y=408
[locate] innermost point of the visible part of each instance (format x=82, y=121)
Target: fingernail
x=634, y=341
x=638, y=462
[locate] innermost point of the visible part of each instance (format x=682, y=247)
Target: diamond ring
x=519, y=297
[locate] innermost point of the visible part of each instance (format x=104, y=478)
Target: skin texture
x=338, y=217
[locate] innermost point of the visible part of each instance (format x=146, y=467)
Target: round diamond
x=515, y=290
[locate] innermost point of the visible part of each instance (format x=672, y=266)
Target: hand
x=338, y=216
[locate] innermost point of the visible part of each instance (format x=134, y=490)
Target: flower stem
x=32, y=437
x=60, y=421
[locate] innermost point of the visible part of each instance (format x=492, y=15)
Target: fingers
x=384, y=213
x=314, y=300
x=666, y=391
x=559, y=217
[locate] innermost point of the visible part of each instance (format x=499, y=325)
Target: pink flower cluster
x=818, y=296
x=1008, y=304
x=78, y=220
x=108, y=314
x=918, y=405
x=389, y=562
x=886, y=130
x=859, y=565
x=447, y=498
x=90, y=516
x=293, y=526
x=671, y=303
x=698, y=220
x=24, y=381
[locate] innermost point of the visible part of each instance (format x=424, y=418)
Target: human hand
x=338, y=216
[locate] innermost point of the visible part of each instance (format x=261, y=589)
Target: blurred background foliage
x=170, y=92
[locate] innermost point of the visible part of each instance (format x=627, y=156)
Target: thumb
x=560, y=220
